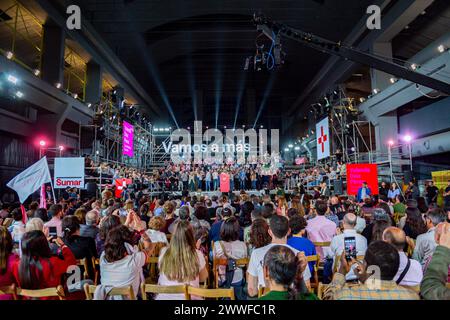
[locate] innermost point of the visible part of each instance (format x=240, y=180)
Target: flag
x=224, y=182
x=24, y=214
x=31, y=179
x=43, y=203
x=120, y=184
x=322, y=139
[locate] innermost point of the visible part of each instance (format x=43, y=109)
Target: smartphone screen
x=350, y=247
x=52, y=231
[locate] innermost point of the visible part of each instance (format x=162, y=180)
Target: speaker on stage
x=338, y=187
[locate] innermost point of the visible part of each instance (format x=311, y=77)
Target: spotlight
x=393, y=80
x=19, y=94
x=243, y=126
x=312, y=131
x=352, y=149
x=407, y=138
x=441, y=48
x=155, y=129
x=391, y=142
x=61, y=148
x=42, y=143
x=286, y=149
x=166, y=129
x=375, y=91
x=75, y=96
x=224, y=127
x=207, y=127
x=297, y=148
x=9, y=55
x=189, y=128
x=89, y=105
x=290, y=145
x=96, y=152
x=362, y=99
x=12, y=79
x=413, y=66
x=37, y=72
x=58, y=85
x=261, y=126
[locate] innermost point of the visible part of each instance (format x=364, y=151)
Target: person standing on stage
x=215, y=176
x=432, y=193
x=208, y=181
x=363, y=192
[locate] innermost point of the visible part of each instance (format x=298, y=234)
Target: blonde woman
x=282, y=207
x=296, y=204
x=181, y=262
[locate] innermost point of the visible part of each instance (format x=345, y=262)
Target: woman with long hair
x=259, y=235
x=121, y=263
x=181, y=262
x=106, y=224
x=282, y=206
x=229, y=246
x=296, y=204
x=414, y=225
x=7, y=261
x=394, y=191
x=38, y=267
x=281, y=270
x=82, y=247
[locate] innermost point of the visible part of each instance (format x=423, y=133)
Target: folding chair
x=321, y=289
x=124, y=291
x=153, y=288
x=9, y=290
x=314, y=258
x=210, y=293
x=242, y=263
x=42, y=293
x=262, y=291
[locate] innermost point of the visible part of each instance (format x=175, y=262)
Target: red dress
x=7, y=278
x=53, y=269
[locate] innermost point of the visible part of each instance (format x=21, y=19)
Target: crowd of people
x=407, y=241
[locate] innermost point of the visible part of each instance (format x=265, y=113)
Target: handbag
x=229, y=269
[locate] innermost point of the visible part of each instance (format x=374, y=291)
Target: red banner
x=120, y=184
x=359, y=173
x=224, y=182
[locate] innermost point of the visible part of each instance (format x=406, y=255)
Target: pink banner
x=127, y=143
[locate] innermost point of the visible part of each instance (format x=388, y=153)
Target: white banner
x=31, y=179
x=323, y=139
x=69, y=172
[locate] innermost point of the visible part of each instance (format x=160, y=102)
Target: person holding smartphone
x=349, y=241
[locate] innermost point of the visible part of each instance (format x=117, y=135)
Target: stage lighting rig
x=275, y=30
x=269, y=53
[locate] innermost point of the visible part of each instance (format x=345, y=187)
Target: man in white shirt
x=426, y=243
x=279, y=231
x=409, y=271
x=337, y=243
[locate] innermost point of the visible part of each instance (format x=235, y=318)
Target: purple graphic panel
x=128, y=134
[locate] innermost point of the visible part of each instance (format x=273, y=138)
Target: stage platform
x=209, y=194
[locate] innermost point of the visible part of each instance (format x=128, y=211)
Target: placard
x=69, y=172
x=128, y=136
x=358, y=173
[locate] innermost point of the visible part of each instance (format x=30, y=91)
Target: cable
x=270, y=55
x=426, y=95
